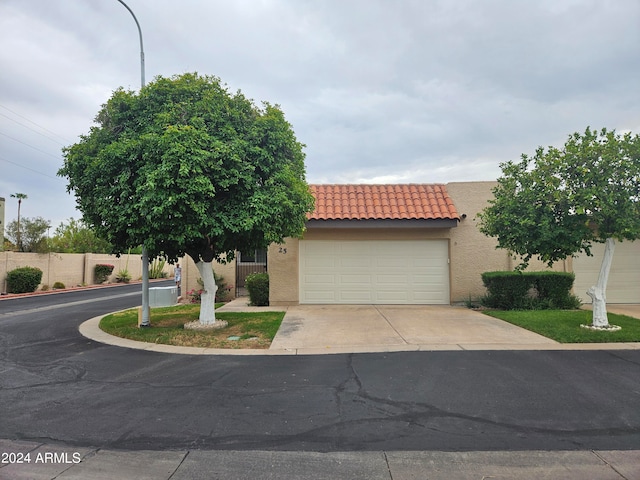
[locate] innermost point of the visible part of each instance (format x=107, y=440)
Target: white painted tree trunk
x=208, y=298
x=598, y=291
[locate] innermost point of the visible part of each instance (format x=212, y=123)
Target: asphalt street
x=59, y=387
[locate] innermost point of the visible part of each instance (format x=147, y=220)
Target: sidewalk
x=68, y=463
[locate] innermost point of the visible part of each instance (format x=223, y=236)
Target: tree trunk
x=19, y=240
x=208, y=298
x=598, y=291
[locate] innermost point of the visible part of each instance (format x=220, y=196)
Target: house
x=388, y=244
x=405, y=244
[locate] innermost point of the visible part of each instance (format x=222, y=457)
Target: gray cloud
x=406, y=91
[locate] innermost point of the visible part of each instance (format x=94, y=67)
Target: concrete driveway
x=379, y=328
x=317, y=329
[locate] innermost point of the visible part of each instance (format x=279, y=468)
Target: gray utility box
x=163, y=296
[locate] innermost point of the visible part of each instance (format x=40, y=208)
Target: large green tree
x=558, y=202
x=28, y=234
x=73, y=236
x=187, y=167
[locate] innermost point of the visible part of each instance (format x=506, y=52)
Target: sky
x=379, y=91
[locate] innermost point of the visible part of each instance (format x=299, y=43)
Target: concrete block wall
x=190, y=275
x=72, y=269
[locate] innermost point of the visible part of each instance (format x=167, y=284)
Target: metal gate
x=247, y=263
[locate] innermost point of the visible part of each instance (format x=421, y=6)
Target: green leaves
x=556, y=203
x=187, y=167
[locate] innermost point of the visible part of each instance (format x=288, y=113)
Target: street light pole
x=145, y=256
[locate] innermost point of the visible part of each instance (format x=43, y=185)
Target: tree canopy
x=73, y=236
x=558, y=202
x=186, y=167
x=29, y=235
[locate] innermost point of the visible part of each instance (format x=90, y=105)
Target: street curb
x=91, y=329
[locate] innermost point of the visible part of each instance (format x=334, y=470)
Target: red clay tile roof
x=397, y=202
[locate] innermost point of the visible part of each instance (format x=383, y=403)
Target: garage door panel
x=355, y=296
x=359, y=262
x=319, y=279
x=428, y=279
x=427, y=298
x=321, y=261
x=393, y=297
x=390, y=262
x=379, y=272
x=318, y=296
x=400, y=281
x=350, y=280
x=352, y=249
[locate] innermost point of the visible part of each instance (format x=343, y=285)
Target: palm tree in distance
x=20, y=197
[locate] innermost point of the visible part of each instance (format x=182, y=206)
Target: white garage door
x=374, y=272
x=624, y=277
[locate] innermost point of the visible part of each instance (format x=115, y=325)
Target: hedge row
x=529, y=290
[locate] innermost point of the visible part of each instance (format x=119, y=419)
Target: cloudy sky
x=380, y=91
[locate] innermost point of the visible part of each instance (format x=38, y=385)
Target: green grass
x=255, y=329
x=564, y=325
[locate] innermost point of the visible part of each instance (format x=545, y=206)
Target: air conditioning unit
x=163, y=296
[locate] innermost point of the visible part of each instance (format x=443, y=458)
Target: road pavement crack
x=351, y=383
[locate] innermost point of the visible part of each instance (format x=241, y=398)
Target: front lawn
x=564, y=325
x=245, y=330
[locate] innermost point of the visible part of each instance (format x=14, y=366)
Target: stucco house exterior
x=408, y=244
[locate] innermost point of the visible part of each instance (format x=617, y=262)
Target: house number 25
x=282, y=250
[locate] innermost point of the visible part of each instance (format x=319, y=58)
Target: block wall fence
x=72, y=269
x=77, y=269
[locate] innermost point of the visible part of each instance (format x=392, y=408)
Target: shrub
x=58, y=285
x=156, y=269
x=102, y=272
x=554, y=289
x=123, y=276
x=507, y=290
x=529, y=290
x=195, y=296
x=258, y=286
x=224, y=290
x=23, y=279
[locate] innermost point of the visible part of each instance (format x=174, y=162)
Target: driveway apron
x=333, y=328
